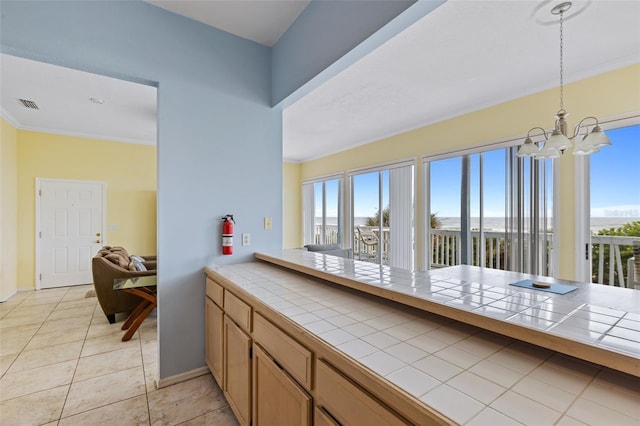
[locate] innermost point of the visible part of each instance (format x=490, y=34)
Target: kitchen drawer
x=215, y=291
x=291, y=355
x=238, y=311
x=347, y=402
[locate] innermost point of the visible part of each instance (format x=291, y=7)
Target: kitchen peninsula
x=328, y=336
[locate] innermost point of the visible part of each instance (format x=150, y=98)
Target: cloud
x=629, y=210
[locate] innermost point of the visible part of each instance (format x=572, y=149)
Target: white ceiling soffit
x=464, y=56
x=63, y=96
x=262, y=21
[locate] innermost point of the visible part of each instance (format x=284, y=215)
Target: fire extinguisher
x=227, y=234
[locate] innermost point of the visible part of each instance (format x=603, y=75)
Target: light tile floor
x=62, y=363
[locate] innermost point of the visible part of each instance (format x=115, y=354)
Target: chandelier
x=558, y=141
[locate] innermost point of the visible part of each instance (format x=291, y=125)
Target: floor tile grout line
x=91, y=322
x=31, y=338
x=75, y=370
x=144, y=373
x=34, y=335
x=579, y=395
x=146, y=367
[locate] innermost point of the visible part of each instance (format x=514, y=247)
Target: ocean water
x=497, y=223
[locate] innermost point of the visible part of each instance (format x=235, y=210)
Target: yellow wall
x=8, y=210
x=129, y=171
x=606, y=95
x=292, y=209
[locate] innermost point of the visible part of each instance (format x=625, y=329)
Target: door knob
x=98, y=241
x=97, y=234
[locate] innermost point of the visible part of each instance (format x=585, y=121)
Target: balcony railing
x=609, y=266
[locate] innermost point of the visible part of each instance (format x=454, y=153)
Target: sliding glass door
x=488, y=209
x=382, y=215
x=608, y=211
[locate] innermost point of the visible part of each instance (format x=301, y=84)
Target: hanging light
x=558, y=142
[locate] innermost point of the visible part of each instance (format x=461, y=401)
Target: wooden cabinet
x=277, y=398
x=237, y=370
x=214, y=340
x=321, y=418
x=274, y=373
x=291, y=355
x=347, y=402
x=215, y=292
x=239, y=311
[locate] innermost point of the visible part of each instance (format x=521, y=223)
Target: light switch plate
x=267, y=223
x=246, y=239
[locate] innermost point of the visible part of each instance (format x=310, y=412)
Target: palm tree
x=375, y=221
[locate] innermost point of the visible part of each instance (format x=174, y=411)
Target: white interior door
x=70, y=230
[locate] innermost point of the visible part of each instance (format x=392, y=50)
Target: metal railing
x=360, y=251
x=446, y=249
x=609, y=266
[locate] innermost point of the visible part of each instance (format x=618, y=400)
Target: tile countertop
x=471, y=375
x=603, y=321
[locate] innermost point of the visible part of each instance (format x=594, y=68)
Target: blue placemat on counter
x=555, y=288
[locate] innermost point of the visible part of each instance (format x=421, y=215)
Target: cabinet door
x=347, y=402
x=237, y=370
x=278, y=399
x=214, y=335
x=321, y=418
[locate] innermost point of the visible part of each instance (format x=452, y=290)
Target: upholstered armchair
x=112, y=263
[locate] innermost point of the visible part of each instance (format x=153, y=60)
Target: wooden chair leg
x=134, y=327
x=135, y=314
x=111, y=318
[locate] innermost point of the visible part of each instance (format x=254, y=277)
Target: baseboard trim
x=9, y=296
x=172, y=380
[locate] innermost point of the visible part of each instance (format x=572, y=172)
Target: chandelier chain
x=561, y=60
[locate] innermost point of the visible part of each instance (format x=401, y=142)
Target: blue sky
x=615, y=174
x=615, y=179
x=366, y=194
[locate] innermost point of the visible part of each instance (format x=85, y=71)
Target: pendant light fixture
x=558, y=141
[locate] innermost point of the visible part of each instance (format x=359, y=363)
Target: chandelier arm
x=576, y=129
x=544, y=132
x=557, y=141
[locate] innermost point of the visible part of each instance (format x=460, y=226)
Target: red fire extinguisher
x=227, y=234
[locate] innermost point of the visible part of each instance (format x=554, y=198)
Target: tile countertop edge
x=355, y=368
x=588, y=352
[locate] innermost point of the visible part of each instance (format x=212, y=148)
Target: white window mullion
x=582, y=220
x=323, y=232
x=308, y=213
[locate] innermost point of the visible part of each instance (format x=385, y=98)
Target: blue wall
x=219, y=140
x=330, y=35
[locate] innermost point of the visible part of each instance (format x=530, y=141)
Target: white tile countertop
x=595, y=322
x=471, y=375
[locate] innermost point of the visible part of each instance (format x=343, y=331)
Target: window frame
x=379, y=168
x=340, y=177
x=506, y=143
x=582, y=202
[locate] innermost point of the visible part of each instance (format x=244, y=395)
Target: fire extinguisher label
x=227, y=240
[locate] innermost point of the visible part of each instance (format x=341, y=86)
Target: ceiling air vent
x=29, y=104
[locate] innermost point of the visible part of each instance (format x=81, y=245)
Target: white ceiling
x=262, y=21
x=63, y=96
x=463, y=56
